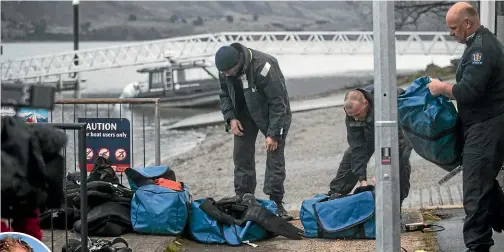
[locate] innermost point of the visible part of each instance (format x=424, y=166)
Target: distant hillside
x=142, y=20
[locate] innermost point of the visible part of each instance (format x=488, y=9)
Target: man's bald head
x=462, y=20
x=355, y=104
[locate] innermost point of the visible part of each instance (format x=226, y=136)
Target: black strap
x=210, y=208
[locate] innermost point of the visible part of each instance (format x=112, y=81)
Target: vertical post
x=1, y=45
x=157, y=133
x=83, y=186
x=500, y=21
x=487, y=14
x=75, y=4
x=1, y=75
x=388, y=234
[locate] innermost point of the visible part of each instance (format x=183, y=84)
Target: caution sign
x=120, y=154
x=109, y=138
x=89, y=153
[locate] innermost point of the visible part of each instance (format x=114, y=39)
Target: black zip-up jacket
x=265, y=93
x=361, y=135
x=479, y=91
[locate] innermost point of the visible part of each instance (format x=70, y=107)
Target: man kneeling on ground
x=359, y=108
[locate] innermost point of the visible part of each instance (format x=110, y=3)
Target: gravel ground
x=315, y=145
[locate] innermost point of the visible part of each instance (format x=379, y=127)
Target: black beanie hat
x=226, y=58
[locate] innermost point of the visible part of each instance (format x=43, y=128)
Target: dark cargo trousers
x=482, y=159
x=346, y=180
x=244, y=161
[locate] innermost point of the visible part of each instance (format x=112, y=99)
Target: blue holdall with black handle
x=205, y=229
x=345, y=217
x=431, y=124
x=157, y=209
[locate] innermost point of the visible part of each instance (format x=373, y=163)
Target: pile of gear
x=109, y=203
x=156, y=203
x=164, y=206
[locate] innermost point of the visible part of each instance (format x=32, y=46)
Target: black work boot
x=282, y=212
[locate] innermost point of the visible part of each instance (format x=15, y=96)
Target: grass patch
x=174, y=246
x=430, y=216
x=430, y=237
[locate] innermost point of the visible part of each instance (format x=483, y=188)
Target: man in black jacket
x=254, y=98
x=359, y=108
x=479, y=93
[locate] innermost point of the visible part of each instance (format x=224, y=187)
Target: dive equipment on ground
x=108, y=203
x=150, y=200
x=98, y=245
x=423, y=227
x=237, y=220
x=256, y=213
x=344, y=217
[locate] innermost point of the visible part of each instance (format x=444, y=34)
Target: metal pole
x=487, y=14
x=157, y=133
x=75, y=4
x=83, y=175
x=1, y=46
x=1, y=53
x=500, y=21
x=388, y=230
x=81, y=127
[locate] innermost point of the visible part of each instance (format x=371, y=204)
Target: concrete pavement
x=451, y=239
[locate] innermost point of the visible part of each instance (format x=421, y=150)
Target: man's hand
x=436, y=87
x=236, y=127
x=363, y=183
x=271, y=144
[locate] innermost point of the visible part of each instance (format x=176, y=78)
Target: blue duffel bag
x=431, y=125
x=156, y=209
x=346, y=217
x=204, y=229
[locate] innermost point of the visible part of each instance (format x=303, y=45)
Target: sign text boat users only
x=109, y=138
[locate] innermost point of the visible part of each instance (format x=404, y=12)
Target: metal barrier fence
x=144, y=123
x=80, y=128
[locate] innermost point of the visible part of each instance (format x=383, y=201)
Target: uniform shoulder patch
x=477, y=58
x=265, y=69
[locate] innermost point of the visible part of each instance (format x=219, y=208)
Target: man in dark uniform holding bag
x=254, y=98
x=479, y=93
